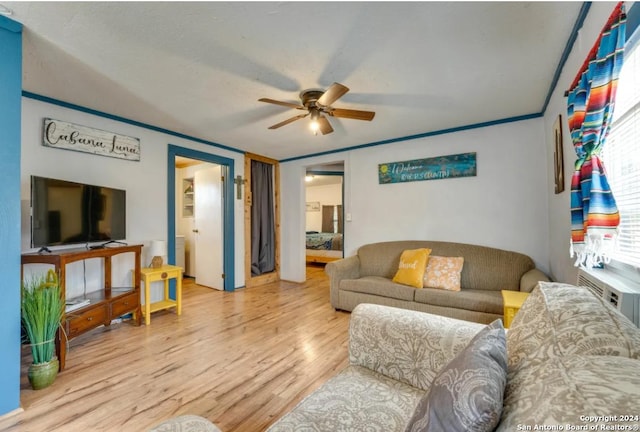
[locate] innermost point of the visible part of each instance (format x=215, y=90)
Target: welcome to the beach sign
x=71, y=136
x=436, y=168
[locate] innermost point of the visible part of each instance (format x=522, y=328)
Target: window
x=622, y=156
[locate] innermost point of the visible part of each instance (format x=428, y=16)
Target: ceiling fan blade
x=351, y=114
x=286, y=122
x=333, y=93
x=324, y=126
x=287, y=104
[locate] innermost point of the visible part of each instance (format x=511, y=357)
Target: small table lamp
x=157, y=250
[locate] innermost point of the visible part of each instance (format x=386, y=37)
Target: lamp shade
x=158, y=248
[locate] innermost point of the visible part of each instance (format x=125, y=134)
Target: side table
x=163, y=273
x=513, y=301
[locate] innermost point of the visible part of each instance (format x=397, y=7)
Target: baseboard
x=11, y=413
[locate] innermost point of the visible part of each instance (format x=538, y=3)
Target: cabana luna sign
x=436, y=168
x=70, y=136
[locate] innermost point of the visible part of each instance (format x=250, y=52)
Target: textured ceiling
x=199, y=68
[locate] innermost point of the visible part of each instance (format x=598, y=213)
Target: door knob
x=194, y=230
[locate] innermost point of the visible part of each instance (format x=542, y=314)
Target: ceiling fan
x=317, y=103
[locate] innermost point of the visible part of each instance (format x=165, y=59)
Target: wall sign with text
x=70, y=136
x=436, y=168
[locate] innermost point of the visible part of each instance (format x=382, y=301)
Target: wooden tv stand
x=105, y=304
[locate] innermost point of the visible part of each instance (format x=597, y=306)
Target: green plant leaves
x=42, y=307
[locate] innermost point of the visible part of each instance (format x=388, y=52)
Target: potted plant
x=42, y=307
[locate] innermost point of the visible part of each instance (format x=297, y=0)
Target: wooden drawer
x=123, y=305
x=80, y=322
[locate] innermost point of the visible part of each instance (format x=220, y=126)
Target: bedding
x=324, y=241
x=323, y=247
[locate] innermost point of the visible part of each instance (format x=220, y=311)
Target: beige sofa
x=570, y=360
x=366, y=278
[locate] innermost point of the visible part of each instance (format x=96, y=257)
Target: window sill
x=622, y=270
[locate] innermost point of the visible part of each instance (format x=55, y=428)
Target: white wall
x=504, y=206
x=325, y=195
x=145, y=181
x=561, y=264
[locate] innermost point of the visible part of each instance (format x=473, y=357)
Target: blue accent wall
x=10, y=114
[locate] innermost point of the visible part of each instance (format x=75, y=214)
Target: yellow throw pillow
x=413, y=263
x=443, y=273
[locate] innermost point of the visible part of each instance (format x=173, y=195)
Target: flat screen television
x=64, y=212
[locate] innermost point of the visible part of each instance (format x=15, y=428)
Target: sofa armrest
x=346, y=268
x=406, y=345
x=530, y=280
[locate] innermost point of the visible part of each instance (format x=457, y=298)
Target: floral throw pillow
x=443, y=273
x=467, y=394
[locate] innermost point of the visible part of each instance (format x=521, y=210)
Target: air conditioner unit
x=621, y=293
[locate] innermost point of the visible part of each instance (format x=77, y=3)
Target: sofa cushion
x=475, y=300
x=559, y=320
x=467, y=394
x=443, y=273
x=411, y=267
x=378, y=286
x=564, y=390
x=492, y=269
x=485, y=268
x=357, y=399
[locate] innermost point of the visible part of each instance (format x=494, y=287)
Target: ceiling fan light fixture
x=317, y=103
x=315, y=126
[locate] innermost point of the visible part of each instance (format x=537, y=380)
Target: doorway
x=262, y=220
x=199, y=221
x=226, y=171
x=324, y=202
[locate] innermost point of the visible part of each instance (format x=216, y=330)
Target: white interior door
x=207, y=229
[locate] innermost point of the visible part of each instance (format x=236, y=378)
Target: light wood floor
x=240, y=359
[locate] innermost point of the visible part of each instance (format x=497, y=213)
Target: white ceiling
x=199, y=68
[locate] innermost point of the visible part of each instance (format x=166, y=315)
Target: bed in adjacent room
x=323, y=247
